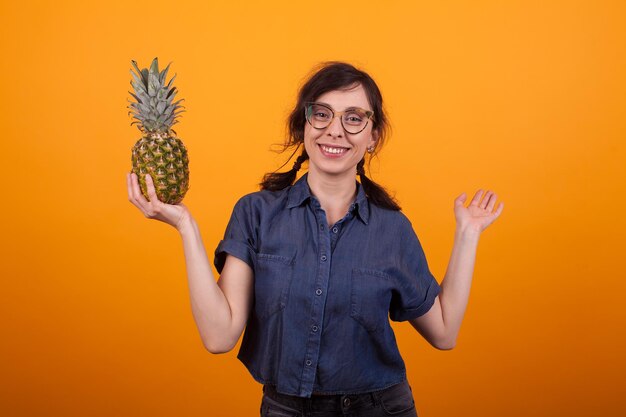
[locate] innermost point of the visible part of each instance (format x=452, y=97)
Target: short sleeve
x=417, y=287
x=240, y=236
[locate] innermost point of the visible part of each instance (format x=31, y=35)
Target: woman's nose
x=335, y=128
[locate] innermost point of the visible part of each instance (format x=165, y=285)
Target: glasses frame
x=308, y=111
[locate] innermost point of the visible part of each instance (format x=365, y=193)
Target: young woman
x=313, y=270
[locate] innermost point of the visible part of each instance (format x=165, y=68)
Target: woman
x=314, y=270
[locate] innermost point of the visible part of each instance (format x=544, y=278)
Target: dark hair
x=331, y=76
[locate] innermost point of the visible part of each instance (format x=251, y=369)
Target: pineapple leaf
x=139, y=72
x=164, y=74
x=136, y=98
x=154, y=67
x=140, y=91
x=138, y=84
x=136, y=87
x=153, y=85
x=169, y=84
x=144, y=109
x=169, y=100
x=172, y=91
x=144, y=76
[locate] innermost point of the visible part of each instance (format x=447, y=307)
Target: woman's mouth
x=333, y=151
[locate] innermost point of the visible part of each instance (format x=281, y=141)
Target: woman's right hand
x=176, y=215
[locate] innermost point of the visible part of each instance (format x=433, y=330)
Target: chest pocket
x=370, y=298
x=272, y=278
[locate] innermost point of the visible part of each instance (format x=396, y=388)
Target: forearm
x=209, y=305
x=455, y=287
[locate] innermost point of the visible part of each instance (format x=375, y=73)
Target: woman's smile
x=333, y=152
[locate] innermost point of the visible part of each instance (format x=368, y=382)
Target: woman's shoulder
x=262, y=200
x=394, y=224
x=388, y=215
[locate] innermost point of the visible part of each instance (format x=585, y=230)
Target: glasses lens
x=319, y=116
x=354, y=120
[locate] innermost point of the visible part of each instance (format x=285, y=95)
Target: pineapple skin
x=165, y=158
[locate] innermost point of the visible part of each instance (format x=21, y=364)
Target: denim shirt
x=323, y=295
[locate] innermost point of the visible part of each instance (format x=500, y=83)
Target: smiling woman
x=338, y=115
x=312, y=270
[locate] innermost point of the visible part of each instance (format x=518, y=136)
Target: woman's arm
x=220, y=309
x=441, y=324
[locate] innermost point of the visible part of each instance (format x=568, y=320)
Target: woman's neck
x=335, y=193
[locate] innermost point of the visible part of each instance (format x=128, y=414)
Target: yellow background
x=525, y=98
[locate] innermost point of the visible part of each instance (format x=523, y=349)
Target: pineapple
x=159, y=152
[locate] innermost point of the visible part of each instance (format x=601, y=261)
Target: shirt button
x=321, y=227
x=346, y=402
x=335, y=229
x=318, y=291
x=323, y=258
x=314, y=328
x=308, y=363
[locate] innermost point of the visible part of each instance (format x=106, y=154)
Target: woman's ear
x=374, y=139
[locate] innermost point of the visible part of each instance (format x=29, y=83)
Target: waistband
x=323, y=402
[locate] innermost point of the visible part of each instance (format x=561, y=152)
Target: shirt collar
x=300, y=192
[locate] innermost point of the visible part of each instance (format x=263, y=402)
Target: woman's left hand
x=479, y=214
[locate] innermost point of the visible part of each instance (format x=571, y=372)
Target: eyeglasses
x=353, y=120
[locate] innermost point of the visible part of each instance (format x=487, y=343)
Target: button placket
x=317, y=312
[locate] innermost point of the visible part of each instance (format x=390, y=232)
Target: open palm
x=478, y=214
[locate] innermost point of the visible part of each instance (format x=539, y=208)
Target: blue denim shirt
x=323, y=295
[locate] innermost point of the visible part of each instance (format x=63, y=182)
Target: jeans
x=396, y=400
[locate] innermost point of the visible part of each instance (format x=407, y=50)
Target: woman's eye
x=321, y=115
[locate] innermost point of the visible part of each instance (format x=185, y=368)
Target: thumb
x=460, y=200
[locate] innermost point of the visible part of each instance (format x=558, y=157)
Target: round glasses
x=353, y=120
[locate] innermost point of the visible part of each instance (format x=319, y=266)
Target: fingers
x=460, y=200
x=129, y=187
x=476, y=198
x=488, y=201
x=134, y=194
x=152, y=195
x=492, y=201
x=499, y=210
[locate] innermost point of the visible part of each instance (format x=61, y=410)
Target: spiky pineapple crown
x=155, y=110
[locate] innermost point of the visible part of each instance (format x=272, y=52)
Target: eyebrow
x=346, y=109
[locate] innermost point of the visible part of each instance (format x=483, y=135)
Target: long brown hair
x=331, y=76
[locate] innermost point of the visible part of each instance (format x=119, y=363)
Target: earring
x=370, y=149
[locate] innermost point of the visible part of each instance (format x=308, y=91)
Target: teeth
x=333, y=150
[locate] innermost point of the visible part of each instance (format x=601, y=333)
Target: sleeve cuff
x=235, y=248
x=408, y=314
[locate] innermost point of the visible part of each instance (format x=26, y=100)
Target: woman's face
x=332, y=150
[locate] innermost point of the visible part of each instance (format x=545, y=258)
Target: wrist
x=186, y=225
x=467, y=233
